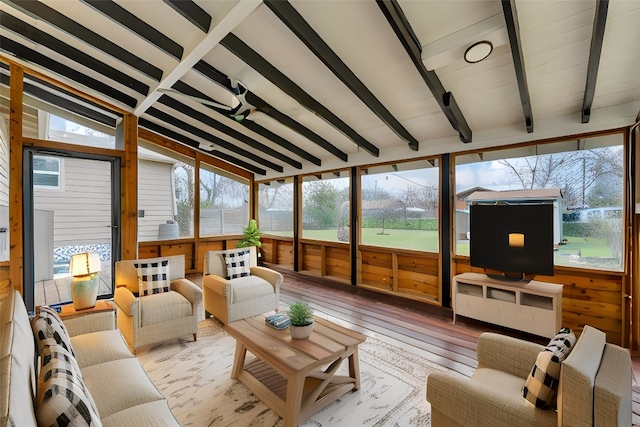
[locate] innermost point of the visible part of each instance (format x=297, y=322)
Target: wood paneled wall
x=409, y=274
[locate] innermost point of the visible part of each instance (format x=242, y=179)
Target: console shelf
x=534, y=307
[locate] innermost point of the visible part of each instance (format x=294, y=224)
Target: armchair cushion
x=160, y=307
x=154, y=277
x=238, y=264
x=248, y=288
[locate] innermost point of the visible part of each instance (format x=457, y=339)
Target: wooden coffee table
x=295, y=378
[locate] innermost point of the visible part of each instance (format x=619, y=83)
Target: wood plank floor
x=416, y=327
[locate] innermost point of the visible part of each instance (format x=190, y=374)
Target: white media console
x=534, y=307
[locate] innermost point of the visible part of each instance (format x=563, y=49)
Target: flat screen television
x=514, y=239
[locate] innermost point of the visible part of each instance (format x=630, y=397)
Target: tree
x=217, y=191
x=425, y=197
x=321, y=204
x=276, y=196
x=575, y=172
x=605, y=191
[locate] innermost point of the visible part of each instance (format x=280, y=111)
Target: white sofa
x=242, y=297
x=156, y=318
x=594, y=387
x=120, y=388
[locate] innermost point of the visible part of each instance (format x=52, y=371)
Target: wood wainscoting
x=410, y=274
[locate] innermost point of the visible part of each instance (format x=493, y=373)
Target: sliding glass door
x=73, y=207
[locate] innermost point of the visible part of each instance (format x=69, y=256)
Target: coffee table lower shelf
x=271, y=388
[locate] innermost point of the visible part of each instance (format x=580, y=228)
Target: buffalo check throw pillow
x=542, y=384
x=154, y=277
x=63, y=399
x=237, y=264
x=49, y=329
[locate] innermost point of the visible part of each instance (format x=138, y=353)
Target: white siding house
x=155, y=196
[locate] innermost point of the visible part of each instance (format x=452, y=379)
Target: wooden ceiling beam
x=44, y=13
x=150, y=131
x=597, y=37
x=297, y=24
x=236, y=46
x=396, y=18
x=254, y=155
x=232, y=133
x=192, y=13
x=261, y=105
x=128, y=20
x=513, y=30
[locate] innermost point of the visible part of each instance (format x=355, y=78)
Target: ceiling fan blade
x=197, y=99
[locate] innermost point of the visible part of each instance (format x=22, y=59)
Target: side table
x=104, y=310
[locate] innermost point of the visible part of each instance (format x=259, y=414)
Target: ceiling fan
x=239, y=112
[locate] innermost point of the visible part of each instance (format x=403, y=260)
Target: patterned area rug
x=195, y=378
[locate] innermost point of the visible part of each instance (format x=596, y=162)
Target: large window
x=165, y=194
x=224, y=202
x=587, y=179
x=275, y=207
x=325, y=206
x=400, y=206
x=83, y=123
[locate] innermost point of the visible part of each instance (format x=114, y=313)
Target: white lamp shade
x=84, y=264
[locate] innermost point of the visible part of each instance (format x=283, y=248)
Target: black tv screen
x=512, y=238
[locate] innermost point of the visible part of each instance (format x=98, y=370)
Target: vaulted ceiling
x=283, y=88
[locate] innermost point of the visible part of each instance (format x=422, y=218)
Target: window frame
x=57, y=187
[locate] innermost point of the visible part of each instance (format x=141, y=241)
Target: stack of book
x=278, y=321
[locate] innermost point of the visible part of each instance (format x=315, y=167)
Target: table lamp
x=85, y=282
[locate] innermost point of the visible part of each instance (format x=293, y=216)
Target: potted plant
x=251, y=237
x=301, y=318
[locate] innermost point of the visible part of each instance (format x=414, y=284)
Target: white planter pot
x=301, y=332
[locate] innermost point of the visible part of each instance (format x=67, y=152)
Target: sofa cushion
x=238, y=264
x=118, y=385
x=249, y=288
x=162, y=307
x=100, y=347
x=153, y=413
x=155, y=277
x=49, y=329
x=542, y=383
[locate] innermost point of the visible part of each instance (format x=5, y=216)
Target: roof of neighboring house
x=538, y=194
x=464, y=194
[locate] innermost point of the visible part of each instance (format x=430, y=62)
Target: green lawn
x=420, y=240
x=578, y=252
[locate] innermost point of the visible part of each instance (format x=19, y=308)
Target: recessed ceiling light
x=478, y=51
